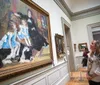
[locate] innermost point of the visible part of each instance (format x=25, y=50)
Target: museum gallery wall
x=25, y=37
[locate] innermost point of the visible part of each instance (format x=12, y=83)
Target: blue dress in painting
x=5, y=49
x=12, y=38
x=23, y=33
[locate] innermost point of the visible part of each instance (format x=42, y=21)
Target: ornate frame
x=59, y=41
x=15, y=70
x=81, y=46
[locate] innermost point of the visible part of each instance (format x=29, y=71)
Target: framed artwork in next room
x=81, y=46
x=60, y=47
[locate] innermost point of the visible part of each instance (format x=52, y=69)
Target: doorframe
x=89, y=29
x=64, y=22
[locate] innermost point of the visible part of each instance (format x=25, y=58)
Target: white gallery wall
x=80, y=32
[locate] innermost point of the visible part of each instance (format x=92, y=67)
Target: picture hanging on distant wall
x=60, y=47
x=81, y=46
x=25, y=39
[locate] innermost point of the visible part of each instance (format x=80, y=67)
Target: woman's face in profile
x=92, y=46
x=29, y=14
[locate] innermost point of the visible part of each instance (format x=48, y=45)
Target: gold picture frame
x=60, y=47
x=81, y=46
x=18, y=9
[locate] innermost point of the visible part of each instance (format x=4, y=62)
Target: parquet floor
x=78, y=78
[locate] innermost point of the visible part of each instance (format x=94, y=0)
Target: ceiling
x=77, y=9
x=80, y=5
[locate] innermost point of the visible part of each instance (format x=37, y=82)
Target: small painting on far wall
x=81, y=46
x=59, y=40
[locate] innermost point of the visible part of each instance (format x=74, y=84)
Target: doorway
x=69, y=49
x=94, y=31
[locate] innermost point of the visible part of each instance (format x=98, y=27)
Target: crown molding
x=63, y=8
x=65, y=22
x=77, y=15
x=86, y=14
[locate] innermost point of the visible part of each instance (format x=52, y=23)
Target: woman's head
x=29, y=13
x=92, y=45
x=86, y=49
x=95, y=46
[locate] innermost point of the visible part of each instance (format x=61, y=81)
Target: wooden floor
x=78, y=78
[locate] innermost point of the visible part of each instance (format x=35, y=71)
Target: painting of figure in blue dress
x=23, y=34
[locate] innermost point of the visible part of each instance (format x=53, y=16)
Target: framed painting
x=25, y=39
x=81, y=46
x=59, y=40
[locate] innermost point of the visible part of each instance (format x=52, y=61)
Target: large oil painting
x=25, y=40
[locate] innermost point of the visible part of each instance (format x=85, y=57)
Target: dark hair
x=86, y=49
x=30, y=11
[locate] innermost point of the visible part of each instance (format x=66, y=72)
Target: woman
x=85, y=55
x=37, y=39
x=93, y=74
